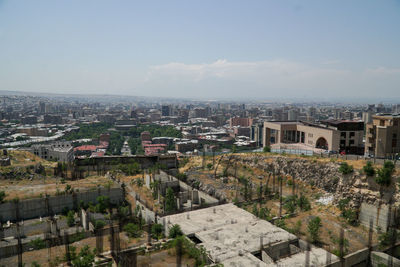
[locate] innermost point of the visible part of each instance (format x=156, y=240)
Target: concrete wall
x=378, y=214
x=145, y=162
x=379, y=259
x=41, y=207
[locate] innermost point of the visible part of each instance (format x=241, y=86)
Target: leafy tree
x=103, y=203
x=384, y=176
x=313, y=228
x=157, y=231
x=92, y=131
x=389, y=165
x=266, y=149
x=170, y=201
x=99, y=224
x=175, y=231
x=369, y=169
x=133, y=230
x=345, y=168
x=70, y=218
x=35, y=264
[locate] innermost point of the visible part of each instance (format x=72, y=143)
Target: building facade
x=381, y=138
x=335, y=136
x=57, y=151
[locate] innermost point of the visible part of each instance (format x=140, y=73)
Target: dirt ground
x=24, y=189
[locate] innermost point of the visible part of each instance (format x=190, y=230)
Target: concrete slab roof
x=232, y=235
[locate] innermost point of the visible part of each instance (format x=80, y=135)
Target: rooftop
x=232, y=235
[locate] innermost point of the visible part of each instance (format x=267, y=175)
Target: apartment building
x=57, y=151
x=381, y=138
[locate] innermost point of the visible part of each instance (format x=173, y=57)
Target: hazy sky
x=323, y=49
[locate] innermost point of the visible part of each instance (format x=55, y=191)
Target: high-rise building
x=42, y=107
x=166, y=110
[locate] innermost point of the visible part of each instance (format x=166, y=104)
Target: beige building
x=332, y=135
x=381, y=138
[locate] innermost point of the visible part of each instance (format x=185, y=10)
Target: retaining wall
x=42, y=207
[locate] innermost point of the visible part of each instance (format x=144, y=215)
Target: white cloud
x=260, y=78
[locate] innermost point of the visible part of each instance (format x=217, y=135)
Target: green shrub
x=98, y=224
x=369, y=169
x=157, y=231
x=384, y=176
x=170, y=200
x=313, y=228
x=303, y=203
x=37, y=244
x=175, y=231
x=388, y=238
x=264, y=213
x=182, y=177
x=280, y=223
x=132, y=230
x=266, y=149
x=345, y=168
x=70, y=218
x=290, y=204
x=85, y=258
x=103, y=203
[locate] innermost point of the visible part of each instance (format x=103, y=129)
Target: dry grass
x=25, y=158
x=24, y=189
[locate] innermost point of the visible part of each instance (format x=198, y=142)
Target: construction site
x=253, y=209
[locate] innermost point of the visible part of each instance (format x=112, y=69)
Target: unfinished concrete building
x=235, y=237
x=187, y=197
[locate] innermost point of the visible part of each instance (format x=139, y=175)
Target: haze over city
x=325, y=50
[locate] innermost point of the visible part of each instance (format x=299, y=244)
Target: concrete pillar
x=147, y=180
x=85, y=220
x=195, y=197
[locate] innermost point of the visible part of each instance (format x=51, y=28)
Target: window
x=351, y=142
x=342, y=142
x=343, y=134
x=352, y=134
